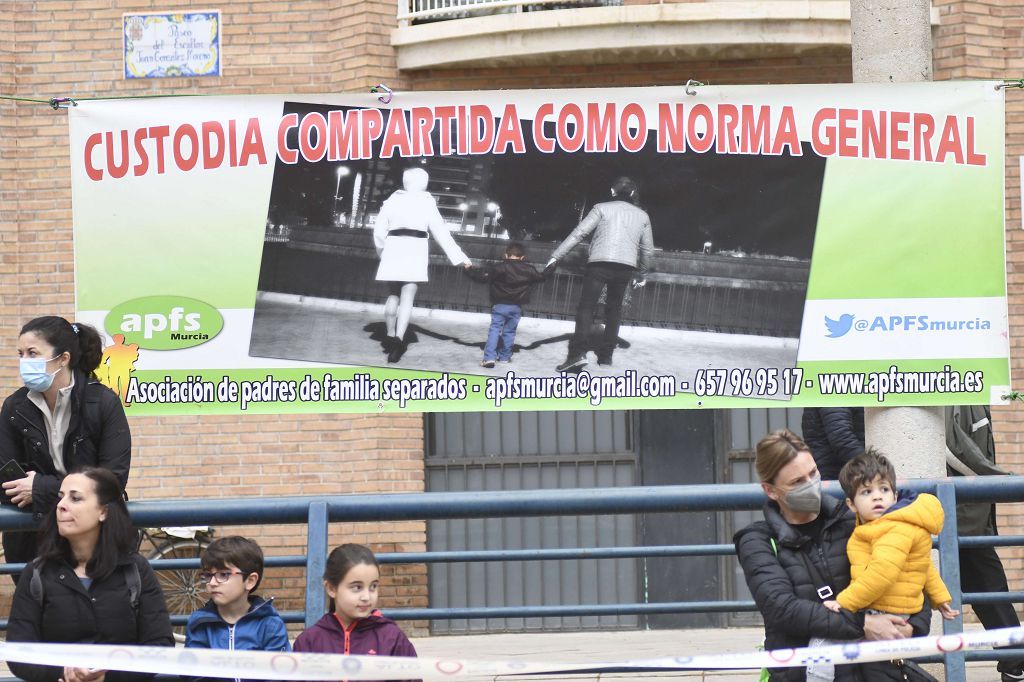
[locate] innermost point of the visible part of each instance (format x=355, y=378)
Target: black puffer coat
x=781, y=582
x=835, y=435
x=103, y=614
x=97, y=436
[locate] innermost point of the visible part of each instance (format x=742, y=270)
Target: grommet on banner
x=62, y=103
x=1011, y=84
x=689, y=87
x=388, y=93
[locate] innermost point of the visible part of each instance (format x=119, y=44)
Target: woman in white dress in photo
x=401, y=235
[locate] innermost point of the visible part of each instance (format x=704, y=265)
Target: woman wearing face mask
x=62, y=419
x=796, y=558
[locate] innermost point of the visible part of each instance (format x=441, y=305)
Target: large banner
x=555, y=249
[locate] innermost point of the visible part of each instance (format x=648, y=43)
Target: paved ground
x=349, y=333
x=623, y=645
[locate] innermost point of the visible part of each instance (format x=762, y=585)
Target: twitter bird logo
x=837, y=328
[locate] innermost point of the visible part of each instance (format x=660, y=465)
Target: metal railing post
x=316, y=560
x=949, y=567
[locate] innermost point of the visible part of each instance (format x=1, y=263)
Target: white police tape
x=268, y=665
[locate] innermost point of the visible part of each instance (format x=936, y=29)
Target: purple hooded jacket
x=374, y=635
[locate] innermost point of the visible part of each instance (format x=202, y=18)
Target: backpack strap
x=134, y=582
x=35, y=585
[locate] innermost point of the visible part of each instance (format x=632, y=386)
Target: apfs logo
x=900, y=323
x=164, y=322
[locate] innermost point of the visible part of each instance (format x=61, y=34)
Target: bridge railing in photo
x=318, y=512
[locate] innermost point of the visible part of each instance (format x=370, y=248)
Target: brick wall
x=73, y=47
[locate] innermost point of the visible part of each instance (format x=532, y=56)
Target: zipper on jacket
x=40, y=429
x=231, y=643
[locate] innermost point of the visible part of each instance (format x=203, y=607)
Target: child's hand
x=947, y=611
x=832, y=605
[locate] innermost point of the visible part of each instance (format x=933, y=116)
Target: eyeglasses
x=217, y=576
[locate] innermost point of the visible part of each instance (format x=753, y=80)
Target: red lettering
x=973, y=157
x=846, y=132
x=462, y=129
x=481, y=129
x=312, y=122
x=823, y=139
x=899, y=135
x=117, y=170
x=213, y=131
x=697, y=143
x=570, y=142
x=728, y=119
x=510, y=132
x=422, y=124
x=371, y=125
x=232, y=144
x=186, y=163
x=601, y=128
x=288, y=121
x=670, y=128
x=633, y=142
x=755, y=132
x=873, y=138
x=343, y=143
x=396, y=136
x=140, y=150
x=786, y=135
x=445, y=115
x=924, y=128
x=95, y=174
x=950, y=142
x=543, y=144
x=252, y=145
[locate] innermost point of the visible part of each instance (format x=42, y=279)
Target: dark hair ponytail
x=342, y=559
x=81, y=341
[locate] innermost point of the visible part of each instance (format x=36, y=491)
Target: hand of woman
x=20, y=490
x=83, y=675
x=878, y=626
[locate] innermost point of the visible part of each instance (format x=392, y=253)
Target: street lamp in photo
x=342, y=172
x=463, y=207
x=493, y=213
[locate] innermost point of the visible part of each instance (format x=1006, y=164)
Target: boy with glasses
x=235, y=618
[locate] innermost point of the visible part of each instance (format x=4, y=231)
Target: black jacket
x=785, y=591
x=510, y=280
x=835, y=435
x=102, y=614
x=98, y=435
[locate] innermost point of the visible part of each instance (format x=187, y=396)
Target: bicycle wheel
x=182, y=590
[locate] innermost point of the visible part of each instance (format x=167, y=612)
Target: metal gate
x=520, y=451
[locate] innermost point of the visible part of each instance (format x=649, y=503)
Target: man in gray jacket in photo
x=620, y=252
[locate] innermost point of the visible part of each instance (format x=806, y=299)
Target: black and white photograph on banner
x=537, y=262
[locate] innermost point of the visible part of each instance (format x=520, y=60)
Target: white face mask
x=34, y=374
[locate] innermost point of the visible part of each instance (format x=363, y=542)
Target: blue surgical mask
x=34, y=374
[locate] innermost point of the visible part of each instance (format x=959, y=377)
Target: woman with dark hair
x=795, y=559
x=88, y=584
x=62, y=419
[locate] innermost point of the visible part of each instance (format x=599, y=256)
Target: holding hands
x=83, y=675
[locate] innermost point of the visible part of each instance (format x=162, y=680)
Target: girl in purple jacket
x=354, y=625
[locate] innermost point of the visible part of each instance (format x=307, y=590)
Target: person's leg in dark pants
x=593, y=282
x=617, y=281
x=982, y=571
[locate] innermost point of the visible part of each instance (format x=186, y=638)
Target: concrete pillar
x=891, y=41
x=914, y=438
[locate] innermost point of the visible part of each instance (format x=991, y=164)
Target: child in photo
x=234, y=617
x=890, y=550
x=510, y=283
x=353, y=625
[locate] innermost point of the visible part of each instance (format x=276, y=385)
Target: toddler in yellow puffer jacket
x=890, y=550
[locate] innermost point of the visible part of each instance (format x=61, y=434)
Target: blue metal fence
x=318, y=512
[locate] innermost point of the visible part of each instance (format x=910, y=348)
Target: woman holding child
x=796, y=558
x=88, y=584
